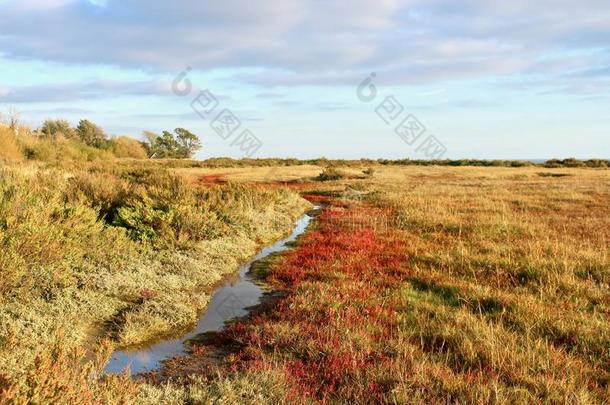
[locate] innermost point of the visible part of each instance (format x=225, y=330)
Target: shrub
x=91, y=134
x=520, y=163
x=53, y=129
x=42, y=235
x=103, y=192
x=60, y=152
x=155, y=206
x=597, y=163
x=330, y=174
x=65, y=376
x=572, y=162
x=163, y=209
x=9, y=148
x=125, y=147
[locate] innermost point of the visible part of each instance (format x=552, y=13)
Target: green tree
x=180, y=145
x=149, y=143
x=91, y=134
x=168, y=145
x=52, y=128
x=188, y=143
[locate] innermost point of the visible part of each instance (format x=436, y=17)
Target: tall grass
x=9, y=148
x=123, y=252
x=61, y=151
x=428, y=284
x=66, y=376
x=438, y=285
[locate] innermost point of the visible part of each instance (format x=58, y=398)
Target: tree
x=160, y=146
x=149, y=143
x=168, y=145
x=91, y=134
x=188, y=143
x=52, y=128
x=181, y=144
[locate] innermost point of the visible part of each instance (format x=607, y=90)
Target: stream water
x=229, y=300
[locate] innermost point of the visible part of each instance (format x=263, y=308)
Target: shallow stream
x=233, y=298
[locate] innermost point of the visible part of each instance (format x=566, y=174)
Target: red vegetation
x=315, y=198
x=329, y=332
x=207, y=179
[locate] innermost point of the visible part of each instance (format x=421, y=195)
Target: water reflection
x=228, y=301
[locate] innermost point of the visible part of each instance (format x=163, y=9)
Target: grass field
x=423, y=285
x=414, y=285
x=101, y=254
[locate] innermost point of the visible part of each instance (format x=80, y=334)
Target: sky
x=341, y=79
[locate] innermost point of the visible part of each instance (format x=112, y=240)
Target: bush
x=520, y=163
x=330, y=174
x=153, y=205
x=54, y=129
x=572, y=162
x=164, y=210
x=65, y=376
x=38, y=231
x=91, y=134
x=60, y=152
x=125, y=147
x=103, y=192
x=9, y=148
x=597, y=163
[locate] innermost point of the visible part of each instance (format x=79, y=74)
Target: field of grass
x=415, y=284
x=119, y=250
x=426, y=285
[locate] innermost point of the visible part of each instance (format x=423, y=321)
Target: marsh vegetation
x=416, y=284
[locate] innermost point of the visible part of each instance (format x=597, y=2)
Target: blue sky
x=488, y=79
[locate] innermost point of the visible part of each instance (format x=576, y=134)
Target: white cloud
x=43, y=5
x=83, y=91
x=311, y=42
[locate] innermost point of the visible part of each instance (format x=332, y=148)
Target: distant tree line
x=325, y=162
x=180, y=144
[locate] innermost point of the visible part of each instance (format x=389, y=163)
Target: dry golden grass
x=254, y=174
x=120, y=252
x=505, y=296
x=494, y=288
x=9, y=148
x=511, y=274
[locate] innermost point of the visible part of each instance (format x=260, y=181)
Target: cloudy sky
x=487, y=79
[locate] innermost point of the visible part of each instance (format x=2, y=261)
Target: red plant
x=334, y=282
x=147, y=293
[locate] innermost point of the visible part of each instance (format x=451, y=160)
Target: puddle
x=230, y=300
